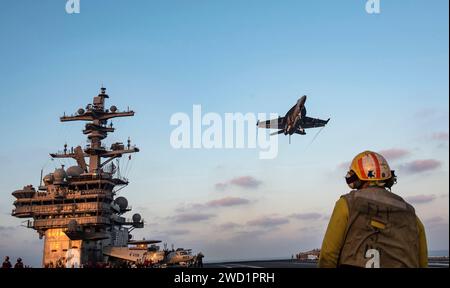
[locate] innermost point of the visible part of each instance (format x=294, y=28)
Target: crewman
x=371, y=226
x=19, y=263
x=199, y=259
x=6, y=263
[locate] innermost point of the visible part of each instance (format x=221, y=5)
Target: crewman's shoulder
x=348, y=196
x=342, y=203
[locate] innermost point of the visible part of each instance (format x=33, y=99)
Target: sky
x=381, y=78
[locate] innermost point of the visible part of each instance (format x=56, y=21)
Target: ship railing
x=87, y=192
x=63, y=208
x=62, y=222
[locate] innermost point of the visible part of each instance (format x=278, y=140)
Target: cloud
x=192, y=217
x=394, y=153
x=227, y=202
x=228, y=226
x=221, y=186
x=6, y=231
x=419, y=166
x=268, y=221
x=440, y=136
x=176, y=232
x=7, y=228
x=223, y=202
x=309, y=230
x=420, y=199
x=436, y=221
x=247, y=182
x=306, y=216
x=241, y=236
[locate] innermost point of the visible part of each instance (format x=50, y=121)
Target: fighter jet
x=295, y=121
x=140, y=253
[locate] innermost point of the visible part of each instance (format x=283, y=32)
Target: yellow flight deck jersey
x=335, y=237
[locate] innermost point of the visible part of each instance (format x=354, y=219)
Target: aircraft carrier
x=76, y=209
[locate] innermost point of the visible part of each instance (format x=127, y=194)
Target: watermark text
x=216, y=131
x=373, y=6
x=73, y=6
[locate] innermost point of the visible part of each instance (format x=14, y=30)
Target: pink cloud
x=437, y=220
x=394, y=153
x=247, y=182
x=307, y=216
x=227, y=202
x=437, y=223
x=224, y=202
x=221, y=186
x=177, y=232
x=192, y=217
x=420, y=166
x=420, y=199
x=228, y=226
x=268, y=221
x=440, y=136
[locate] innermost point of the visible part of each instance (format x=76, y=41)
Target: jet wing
x=277, y=123
x=309, y=122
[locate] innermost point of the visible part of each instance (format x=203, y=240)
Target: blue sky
x=383, y=79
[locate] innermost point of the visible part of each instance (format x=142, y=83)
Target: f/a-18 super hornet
x=140, y=254
x=295, y=121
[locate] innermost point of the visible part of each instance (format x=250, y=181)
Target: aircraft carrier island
x=75, y=209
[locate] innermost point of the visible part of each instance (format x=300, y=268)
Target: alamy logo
x=212, y=131
x=374, y=258
x=373, y=6
x=73, y=6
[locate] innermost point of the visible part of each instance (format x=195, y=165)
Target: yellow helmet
x=371, y=166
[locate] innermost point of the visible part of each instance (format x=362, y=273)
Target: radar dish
x=122, y=202
x=74, y=171
x=59, y=176
x=137, y=218
x=48, y=179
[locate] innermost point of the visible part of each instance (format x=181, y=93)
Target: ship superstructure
x=76, y=210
